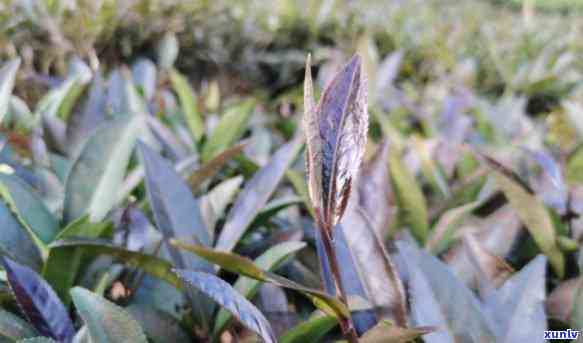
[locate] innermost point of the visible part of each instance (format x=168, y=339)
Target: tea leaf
x=7, y=78
x=241, y=265
x=269, y=260
x=212, y=167
x=107, y=322
x=14, y=328
x=385, y=332
x=535, y=217
x=188, y=103
x=378, y=273
x=336, y=136
x=230, y=128
x=231, y=300
x=38, y=302
x=411, y=202
x=255, y=195
x=100, y=169
x=310, y=331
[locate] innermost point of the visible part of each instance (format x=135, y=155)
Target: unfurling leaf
x=336, y=131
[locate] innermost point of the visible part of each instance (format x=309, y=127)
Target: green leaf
x=443, y=233
x=99, y=170
x=15, y=241
x=411, y=202
x=107, y=322
x=29, y=207
x=212, y=167
x=7, y=78
x=150, y=264
x=385, y=332
x=188, y=103
x=228, y=298
x=14, y=327
x=229, y=129
x=244, y=266
x=310, y=331
x=62, y=265
x=256, y=194
x=269, y=261
x=534, y=215
x=51, y=103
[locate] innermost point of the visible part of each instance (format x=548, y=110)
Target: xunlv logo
x=564, y=334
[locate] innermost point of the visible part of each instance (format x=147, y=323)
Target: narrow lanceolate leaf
x=385, y=289
x=99, y=170
x=310, y=331
x=336, y=131
x=386, y=332
x=438, y=298
x=410, y=200
x=176, y=211
x=229, y=129
x=7, y=77
x=244, y=266
x=14, y=328
x=38, y=302
x=533, y=214
x=107, y=322
x=213, y=166
x=256, y=194
x=375, y=195
x=520, y=298
x=152, y=265
x=269, y=260
x=231, y=300
x=15, y=241
x=188, y=103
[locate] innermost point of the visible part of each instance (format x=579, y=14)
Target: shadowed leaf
x=157, y=325
x=14, y=328
x=106, y=322
x=231, y=300
x=38, y=302
x=213, y=166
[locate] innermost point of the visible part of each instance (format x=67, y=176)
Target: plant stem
x=345, y=323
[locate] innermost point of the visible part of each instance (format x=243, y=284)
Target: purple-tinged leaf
x=377, y=271
x=349, y=275
x=172, y=145
x=82, y=123
x=38, y=302
x=375, y=195
x=336, y=131
x=256, y=194
x=552, y=185
x=520, y=298
x=231, y=300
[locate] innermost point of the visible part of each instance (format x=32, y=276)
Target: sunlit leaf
x=188, y=103
x=100, y=169
x=241, y=265
x=213, y=166
x=7, y=78
x=310, y=331
x=228, y=130
x=231, y=300
x=255, y=195
x=269, y=260
x=336, y=131
x=385, y=332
